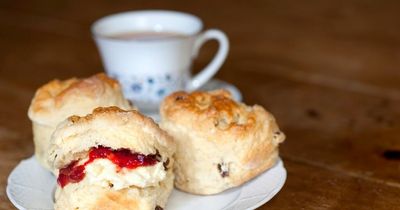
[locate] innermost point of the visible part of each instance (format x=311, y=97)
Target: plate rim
x=8, y=189
x=279, y=164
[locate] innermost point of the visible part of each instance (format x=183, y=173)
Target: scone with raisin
x=220, y=143
x=57, y=100
x=112, y=159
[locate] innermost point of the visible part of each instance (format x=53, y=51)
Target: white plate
x=31, y=187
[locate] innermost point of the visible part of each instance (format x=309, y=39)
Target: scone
x=57, y=100
x=111, y=159
x=220, y=143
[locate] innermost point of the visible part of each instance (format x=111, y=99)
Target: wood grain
x=327, y=70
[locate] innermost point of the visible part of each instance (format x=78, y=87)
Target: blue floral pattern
x=136, y=87
x=151, y=89
x=161, y=92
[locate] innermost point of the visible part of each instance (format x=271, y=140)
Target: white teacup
x=151, y=52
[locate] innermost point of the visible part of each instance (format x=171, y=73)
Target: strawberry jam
x=122, y=158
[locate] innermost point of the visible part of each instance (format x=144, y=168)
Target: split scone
x=220, y=143
x=111, y=159
x=57, y=100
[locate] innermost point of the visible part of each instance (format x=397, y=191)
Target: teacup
x=151, y=53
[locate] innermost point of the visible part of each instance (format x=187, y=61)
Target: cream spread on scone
x=106, y=174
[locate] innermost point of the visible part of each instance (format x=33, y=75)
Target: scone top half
x=220, y=143
x=109, y=127
x=111, y=159
x=59, y=99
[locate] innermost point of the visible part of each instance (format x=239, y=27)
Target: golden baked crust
x=214, y=111
x=220, y=143
x=110, y=126
x=60, y=91
x=55, y=100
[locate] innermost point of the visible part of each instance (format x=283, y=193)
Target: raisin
x=223, y=170
x=179, y=98
x=165, y=164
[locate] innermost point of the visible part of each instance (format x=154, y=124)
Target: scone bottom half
x=120, y=156
x=234, y=142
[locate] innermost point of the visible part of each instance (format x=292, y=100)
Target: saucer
x=210, y=85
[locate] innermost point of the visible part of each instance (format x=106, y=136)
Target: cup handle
x=212, y=68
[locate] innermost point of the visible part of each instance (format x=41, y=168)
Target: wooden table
x=328, y=70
